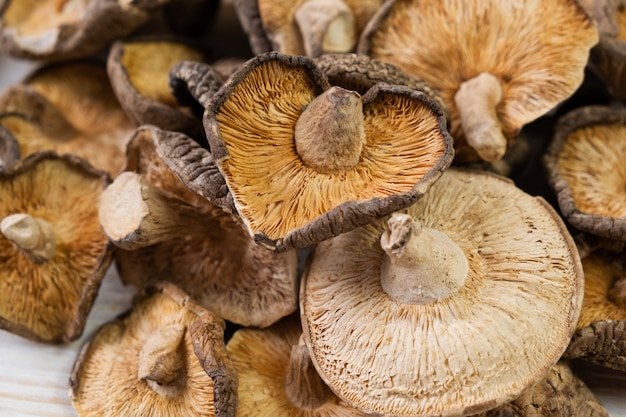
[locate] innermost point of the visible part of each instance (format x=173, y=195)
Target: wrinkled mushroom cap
x=49, y=301
x=469, y=352
x=250, y=125
x=458, y=40
x=591, y=191
x=105, y=379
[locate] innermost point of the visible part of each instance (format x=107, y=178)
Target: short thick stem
x=329, y=134
x=476, y=101
x=617, y=293
x=326, y=26
x=34, y=237
x=421, y=265
x=303, y=385
x=161, y=363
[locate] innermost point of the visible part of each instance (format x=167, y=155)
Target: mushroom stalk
x=303, y=384
x=476, y=101
x=327, y=26
x=161, y=363
x=617, y=293
x=34, y=237
x=421, y=265
x=329, y=134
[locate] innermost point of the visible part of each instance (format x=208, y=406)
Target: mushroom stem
x=34, y=237
x=135, y=214
x=421, y=265
x=327, y=26
x=476, y=101
x=161, y=363
x=329, y=134
x=303, y=385
x=617, y=293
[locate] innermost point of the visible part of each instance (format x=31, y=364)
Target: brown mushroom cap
x=448, y=44
x=591, y=190
x=48, y=283
x=139, y=73
x=500, y=321
x=190, y=242
x=262, y=361
x=167, y=357
x=359, y=165
x=69, y=108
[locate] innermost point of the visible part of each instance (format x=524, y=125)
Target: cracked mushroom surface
x=166, y=231
x=585, y=166
x=452, y=306
x=470, y=52
x=305, y=161
x=69, y=108
x=53, y=251
x=166, y=357
x=276, y=378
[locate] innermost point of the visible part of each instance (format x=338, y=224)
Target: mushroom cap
x=446, y=43
x=104, y=379
x=50, y=301
x=250, y=124
x=69, y=108
x=139, y=72
x=261, y=358
x=591, y=190
x=216, y=261
x=472, y=351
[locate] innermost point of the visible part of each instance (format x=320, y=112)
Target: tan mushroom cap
x=175, y=234
x=55, y=254
x=69, y=108
x=591, y=191
x=262, y=360
x=300, y=176
x=473, y=49
x=509, y=289
x=153, y=362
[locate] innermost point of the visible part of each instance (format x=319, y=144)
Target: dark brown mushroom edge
x=276, y=376
x=70, y=108
x=305, y=161
x=450, y=307
x=166, y=357
x=305, y=27
x=601, y=330
x=470, y=52
x=61, y=30
x=165, y=231
x=586, y=170
x=53, y=252
x=139, y=71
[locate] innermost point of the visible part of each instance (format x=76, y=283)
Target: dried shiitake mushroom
x=69, y=108
x=305, y=161
x=171, y=233
x=276, y=377
x=54, y=30
x=452, y=306
x=165, y=358
x=591, y=190
x=139, y=71
x=54, y=253
x=492, y=82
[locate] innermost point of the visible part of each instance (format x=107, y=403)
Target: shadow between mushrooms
x=305, y=161
x=53, y=252
x=450, y=307
x=165, y=358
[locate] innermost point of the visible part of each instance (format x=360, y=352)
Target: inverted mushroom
x=492, y=82
x=165, y=358
x=452, y=306
x=305, y=161
x=54, y=253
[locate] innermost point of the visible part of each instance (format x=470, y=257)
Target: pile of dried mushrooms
x=323, y=207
